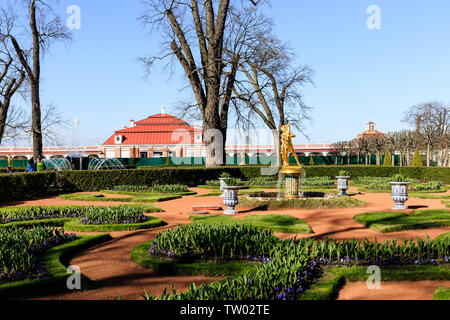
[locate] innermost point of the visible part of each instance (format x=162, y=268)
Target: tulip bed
x=20, y=250
x=284, y=269
x=165, y=188
x=82, y=218
x=113, y=215
x=17, y=214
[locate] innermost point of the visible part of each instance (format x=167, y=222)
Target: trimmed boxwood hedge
x=21, y=186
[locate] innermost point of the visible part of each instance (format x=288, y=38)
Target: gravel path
x=110, y=265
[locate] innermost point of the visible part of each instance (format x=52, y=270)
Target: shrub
x=417, y=159
x=20, y=186
x=387, y=159
x=317, y=182
x=399, y=178
x=432, y=185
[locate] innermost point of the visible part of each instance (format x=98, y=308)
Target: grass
x=428, y=196
x=446, y=203
x=76, y=226
x=442, y=293
x=274, y=222
x=137, y=194
x=335, y=202
x=443, y=236
x=55, y=261
x=334, y=278
x=140, y=255
x=156, y=197
x=397, y=221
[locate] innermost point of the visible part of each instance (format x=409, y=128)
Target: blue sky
x=359, y=74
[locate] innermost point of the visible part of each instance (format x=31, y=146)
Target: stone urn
x=399, y=194
x=223, y=183
x=230, y=198
x=343, y=184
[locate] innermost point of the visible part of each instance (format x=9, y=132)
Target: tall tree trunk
x=408, y=163
x=276, y=134
x=428, y=155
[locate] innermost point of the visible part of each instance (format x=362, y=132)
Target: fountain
x=57, y=164
x=105, y=164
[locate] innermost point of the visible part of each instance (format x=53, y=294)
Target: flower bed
x=16, y=214
x=166, y=188
x=113, y=215
x=285, y=268
x=20, y=250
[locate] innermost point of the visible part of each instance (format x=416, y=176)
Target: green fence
x=16, y=163
x=189, y=161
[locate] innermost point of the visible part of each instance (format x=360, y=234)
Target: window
x=143, y=155
x=157, y=154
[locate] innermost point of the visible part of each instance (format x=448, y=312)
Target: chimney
x=132, y=124
x=163, y=109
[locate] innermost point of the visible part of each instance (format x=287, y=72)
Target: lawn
x=156, y=197
x=397, y=221
x=308, y=203
x=442, y=293
x=273, y=222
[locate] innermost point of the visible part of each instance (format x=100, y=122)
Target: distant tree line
x=430, y=136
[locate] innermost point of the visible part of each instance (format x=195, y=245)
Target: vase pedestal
x=292, y=176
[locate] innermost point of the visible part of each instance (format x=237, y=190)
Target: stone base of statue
x=292, y=175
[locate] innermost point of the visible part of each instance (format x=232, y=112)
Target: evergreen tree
x=417, y=159
x=311, y=161
x=387, y=159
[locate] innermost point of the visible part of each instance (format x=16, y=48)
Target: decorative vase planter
x=399, y=194
x=343, y=185
x=223, y=183
x=230, y=198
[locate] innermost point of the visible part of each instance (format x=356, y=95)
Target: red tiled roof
x=160, y=129
x=161, y=118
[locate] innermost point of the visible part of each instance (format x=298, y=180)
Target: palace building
x=370, y=132
x=164, y=135
x=161, y=135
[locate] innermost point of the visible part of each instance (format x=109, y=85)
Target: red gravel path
x=110, y=265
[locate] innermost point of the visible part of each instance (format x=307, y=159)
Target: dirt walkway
x=404, y=290
x=110, y=265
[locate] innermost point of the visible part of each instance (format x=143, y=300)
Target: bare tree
x=45, y=27
x=12, y=78
x=270, y=87
x=19, y=126
x=340, y=148
x=200, y=26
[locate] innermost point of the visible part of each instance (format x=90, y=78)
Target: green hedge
x=20, y=186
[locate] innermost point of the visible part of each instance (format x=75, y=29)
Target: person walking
x=31, y=167
x=40, y=166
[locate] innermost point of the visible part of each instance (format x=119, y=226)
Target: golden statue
x=291, y=173
x=10, y=161
x=287, y=146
